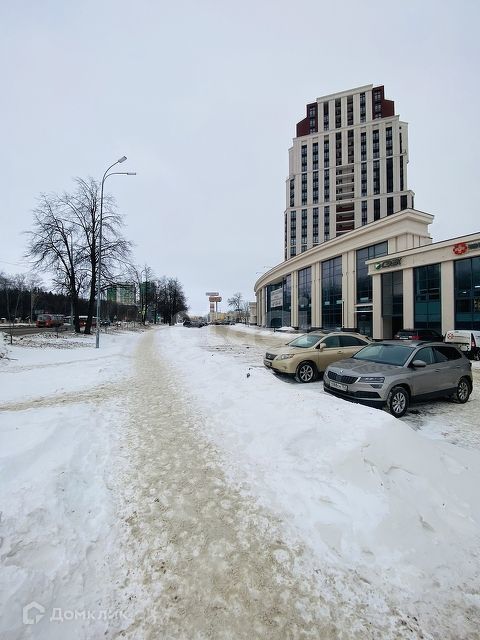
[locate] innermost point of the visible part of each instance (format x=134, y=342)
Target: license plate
x=267, y=363
x=338, y=385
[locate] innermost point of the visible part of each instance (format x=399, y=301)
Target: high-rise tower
x=347, y=167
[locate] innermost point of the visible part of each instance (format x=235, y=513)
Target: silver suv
x=395, y=374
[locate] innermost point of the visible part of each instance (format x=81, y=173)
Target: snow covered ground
x=383, y=513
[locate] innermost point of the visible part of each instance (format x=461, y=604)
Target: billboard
x=212, y=293
x=215, y=299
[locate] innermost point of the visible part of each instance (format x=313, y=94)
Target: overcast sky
x=203, y=97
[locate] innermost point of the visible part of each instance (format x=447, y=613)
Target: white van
x=466, y=340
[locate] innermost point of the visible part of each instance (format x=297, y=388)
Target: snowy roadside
x=58, y=443
x=362, y=489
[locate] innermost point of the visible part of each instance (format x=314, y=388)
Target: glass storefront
x=392, y=303
x=427, y=301
x=467, y=293
x=332, y=302
x=305, y=298
x=364, y=281
x=279, y=303
x=364, y=309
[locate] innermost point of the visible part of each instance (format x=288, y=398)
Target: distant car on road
x=49, y=320
x=419, y=334
x=308, y=355
x=394, y=374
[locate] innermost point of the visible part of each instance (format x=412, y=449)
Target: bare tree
x=54, y=245
x=236, y=302
x=64, y=240
x=83, y=207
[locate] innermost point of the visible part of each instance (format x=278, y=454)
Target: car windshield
x=385, y=354
x=307, y=341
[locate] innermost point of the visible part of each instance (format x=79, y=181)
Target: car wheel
x=397, y=402
x=463, y=391
x=306, y=372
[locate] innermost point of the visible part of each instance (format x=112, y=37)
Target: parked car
x=467, y=340
x=309, y=354
x=419, y=334
x=394, y=374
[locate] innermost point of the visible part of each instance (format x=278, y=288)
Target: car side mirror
x=419, y=364
x=321, y=346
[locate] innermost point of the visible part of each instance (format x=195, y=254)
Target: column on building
x=408, y=299
x=447, y=279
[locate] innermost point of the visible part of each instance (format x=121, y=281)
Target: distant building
x=121, y=293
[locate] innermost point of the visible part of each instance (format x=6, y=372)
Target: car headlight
x=372, y=379
x=285, y=356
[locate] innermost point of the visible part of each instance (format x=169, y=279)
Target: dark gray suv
x=394, y=374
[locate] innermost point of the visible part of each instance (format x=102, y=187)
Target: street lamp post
x=99, y=266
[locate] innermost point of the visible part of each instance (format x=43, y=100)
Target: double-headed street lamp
x=99, y=266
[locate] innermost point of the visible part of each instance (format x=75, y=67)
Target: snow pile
x=58, y=437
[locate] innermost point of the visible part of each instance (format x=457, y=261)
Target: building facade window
x=315, y=187
x=304, y=157
x=403, y=203
x=363, y=146
x=349, y=110
x=376, y=209
x=392, y=301
x=376, y=143
x=363, y=108
x=304, y=188
x=292, y=192
x=376, y=177
x=364, y=212
x=350, y=147
x=304, y=230
x=427, y=287
x=389, y=168
x=388, y=142
x=326, y=185
x=332, y=302
x=467, y=293
x=338, y=113
x=315, y=225
x=305, y=298
x=338, y=149
x=315, y=156
x=364, y=281
x=401, y=173
x=326, y=152
x=312, y=118
x=364, y=179
x=326, y=125
x=389, y=206
x=326, y=223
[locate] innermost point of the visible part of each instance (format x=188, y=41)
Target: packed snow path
x=206, y=562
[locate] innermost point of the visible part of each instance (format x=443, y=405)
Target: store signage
x=215, y=299
x=462, y=247
x=393, y=262
x=212, y=293
x=276, y=298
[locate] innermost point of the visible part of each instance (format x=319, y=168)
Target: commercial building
x=380, y=272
